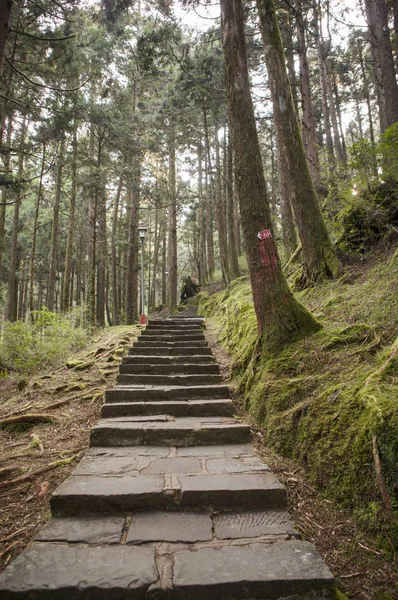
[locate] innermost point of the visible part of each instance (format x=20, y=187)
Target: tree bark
x=308, y=121
x=132, y=253
x=66, y=299
x=379, y=37
x=209, y=195
x=5, y=22
x=279, y=315
x=52, y=274
x=319, y=257
x=12, y=300
x=172, y=231
x=203, y=274
x=35, y=226
x=232, y=242
x=220, y=215
x=114, y=246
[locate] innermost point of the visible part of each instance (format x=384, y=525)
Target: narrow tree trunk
x=115, y=295
x=35, y=226
x=308, y=120
x=279, y=315
x=101, y=254
x=379, y=37
x=132, y=253
x=66, y=291
x=203, y=275
x=172, y=231
x=4, y=195
x=232, y=242
x=340, y=120
x=319, y=256
x=220, y=216
x=365, y=81
x=52, y=274
x=156, y=245
x=324, y=91
x=12, y=300
x=288, y=226
x=209, y=208
x=164, y=266
x=5, y=21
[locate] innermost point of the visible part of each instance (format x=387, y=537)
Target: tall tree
x=319, y=256
x=279, y=315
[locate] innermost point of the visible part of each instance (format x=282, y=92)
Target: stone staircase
x=170, y=501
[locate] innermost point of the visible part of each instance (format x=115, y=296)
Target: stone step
x=178, y=321
x=162, y=430
x=156, y=350
x=177, y=408
x=172, y=527
x=170, y=337
x=156, y=393
x=144, y=343
x=171, y=369
x=257, y=571
x=174, y=326
x=183, y=332
x=180, y=380
x=143, y=359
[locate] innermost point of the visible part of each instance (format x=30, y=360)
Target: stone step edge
x=255, y=571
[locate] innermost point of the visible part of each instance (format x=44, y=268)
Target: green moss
x=323, y=397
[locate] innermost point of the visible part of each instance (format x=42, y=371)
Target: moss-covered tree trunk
x=319, y=257
x=279, y=315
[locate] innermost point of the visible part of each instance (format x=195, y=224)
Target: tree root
x=380, y=479
x=28, y=476
x=29, y=418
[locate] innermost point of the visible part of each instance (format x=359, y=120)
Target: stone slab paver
x=178, y=408
x=252, y=524
x=89, y=530
x=58, y=572
x=131, y=393
x=170, y=527
x=257, y=571
x=83, y=496
x=236, y=491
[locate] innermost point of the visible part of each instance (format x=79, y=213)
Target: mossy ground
x=321, y=399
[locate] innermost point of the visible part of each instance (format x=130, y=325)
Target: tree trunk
x=3, y=207
x=308, y=121
x=164, y=265
x=132, y=253
x=319, y=257
x=324, y=92
x=379, y=37
x=101, y=253
x=203, y=274
x=288, y=226
x=114, y=246
x=35, y=226
x=232, y=242
x=5, y=21
x=209, y=195
x=52, y=274
x=220, y=216
x=66, y=299
x=172, y=232
x=365, y=81
x=279, y=315
x=12, y=300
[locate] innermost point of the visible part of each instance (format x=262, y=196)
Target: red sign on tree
x=264, y=235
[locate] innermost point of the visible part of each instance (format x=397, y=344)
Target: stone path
x=170, y=500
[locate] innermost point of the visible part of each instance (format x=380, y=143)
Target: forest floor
x=44, y=430
x=363, y=561
x=355, y=558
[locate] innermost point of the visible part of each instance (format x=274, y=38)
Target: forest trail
x=170, y=500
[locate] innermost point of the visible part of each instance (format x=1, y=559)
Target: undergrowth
x=322, y=399
x=28, y=347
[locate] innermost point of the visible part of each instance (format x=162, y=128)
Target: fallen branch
x=29, y=418
x=380, y=479
x=32, y=474
x=293, y=257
